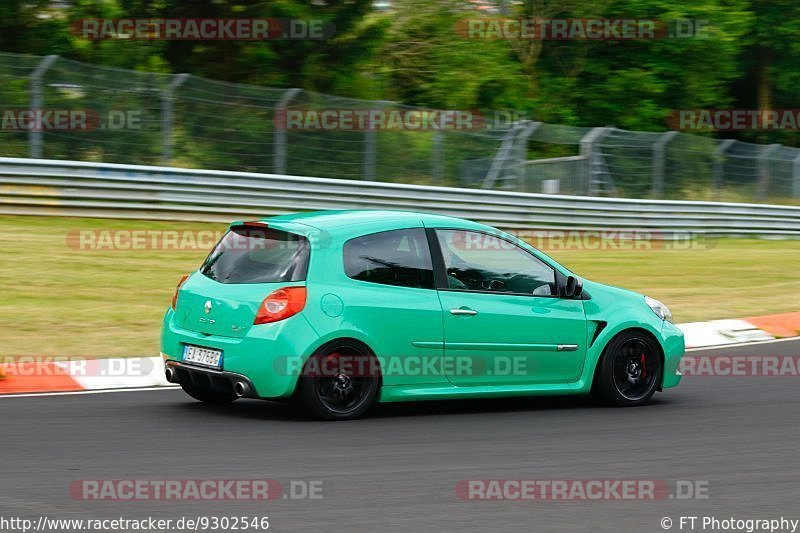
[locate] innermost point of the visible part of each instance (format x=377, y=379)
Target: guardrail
x=50, y=187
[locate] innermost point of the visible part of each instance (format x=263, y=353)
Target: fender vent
x=601, y=325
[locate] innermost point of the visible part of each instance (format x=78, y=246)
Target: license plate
x=202, y=356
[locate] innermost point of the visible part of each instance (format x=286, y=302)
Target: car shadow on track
x=289, y=412
x=493, y=405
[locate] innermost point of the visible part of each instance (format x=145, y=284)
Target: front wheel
x=630, y=370
x=340, y=382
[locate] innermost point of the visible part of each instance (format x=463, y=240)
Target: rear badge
x=207, y=306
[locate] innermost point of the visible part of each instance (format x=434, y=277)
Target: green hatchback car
x=343, y=309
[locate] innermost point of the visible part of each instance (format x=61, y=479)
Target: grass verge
x=59, y=299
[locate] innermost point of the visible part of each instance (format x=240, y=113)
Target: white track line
x=753, y=343
x=79, y=392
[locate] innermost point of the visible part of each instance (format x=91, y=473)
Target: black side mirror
x=573, y=287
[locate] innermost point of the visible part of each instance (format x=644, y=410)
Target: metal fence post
x=279, y=146
x=37, y=101
x=370, y=147
x=718, y=157
x=659, y=163
x=764, y=172
x=437, y=158
x=589, y=151
x=168, y=116
x=522, y=152
x=796, y=177
x=504, y=152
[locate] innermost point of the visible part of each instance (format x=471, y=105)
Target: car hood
x=609, y=291
x=605, y=299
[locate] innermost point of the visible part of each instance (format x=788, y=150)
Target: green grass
x=58, y=300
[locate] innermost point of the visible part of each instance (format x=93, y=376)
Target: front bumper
x=674, y=348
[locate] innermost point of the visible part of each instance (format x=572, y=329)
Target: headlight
x=661, y=310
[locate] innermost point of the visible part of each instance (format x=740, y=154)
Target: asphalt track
x=397, y=470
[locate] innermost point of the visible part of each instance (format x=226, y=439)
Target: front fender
x=622, y=310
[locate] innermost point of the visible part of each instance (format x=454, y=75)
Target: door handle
x=463, y=311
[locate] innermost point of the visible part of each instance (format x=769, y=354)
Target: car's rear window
x=258, y=255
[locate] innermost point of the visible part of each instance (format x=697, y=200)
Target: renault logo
x=207, y=306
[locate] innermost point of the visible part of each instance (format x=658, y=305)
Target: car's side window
x=396, y=257
x=477, y=261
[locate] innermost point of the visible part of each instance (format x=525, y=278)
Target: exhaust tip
x=240, y=388
x=170, y=374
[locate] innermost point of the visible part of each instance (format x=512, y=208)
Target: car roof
x=369, y=220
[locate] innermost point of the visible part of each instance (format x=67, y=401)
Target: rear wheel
x=340, y=382
x=630, y=370
x=206, y=395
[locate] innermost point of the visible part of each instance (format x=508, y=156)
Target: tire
x=630, y=370
x=330, y=390
x=208, y=396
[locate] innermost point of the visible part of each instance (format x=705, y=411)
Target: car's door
x=503, y=317
x=392, y=298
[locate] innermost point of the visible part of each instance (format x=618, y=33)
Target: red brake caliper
x=330, y=360
x=644, y=368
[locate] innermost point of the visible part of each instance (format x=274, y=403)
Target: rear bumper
x=209, y=378
x=270, y=356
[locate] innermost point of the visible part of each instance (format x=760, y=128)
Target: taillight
x=177, y=288
x=280, y=304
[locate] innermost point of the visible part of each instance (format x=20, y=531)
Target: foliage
x=413, y=53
